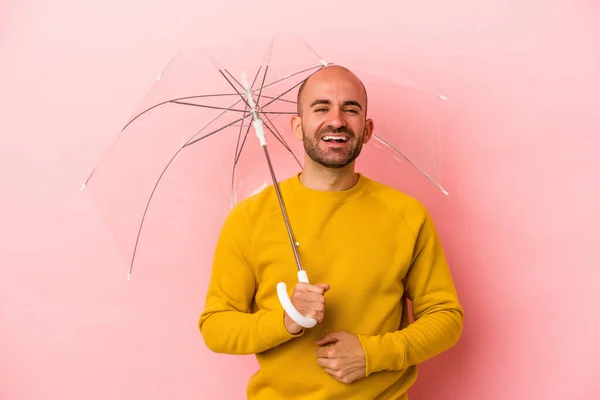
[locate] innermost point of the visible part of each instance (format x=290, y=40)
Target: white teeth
x=340, y=138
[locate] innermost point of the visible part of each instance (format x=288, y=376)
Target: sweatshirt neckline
x=328, y=195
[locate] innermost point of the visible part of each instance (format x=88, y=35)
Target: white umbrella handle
x=289, y=307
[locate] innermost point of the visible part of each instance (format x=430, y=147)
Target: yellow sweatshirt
x=375, y=246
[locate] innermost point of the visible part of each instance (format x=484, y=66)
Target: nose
x=336, y=118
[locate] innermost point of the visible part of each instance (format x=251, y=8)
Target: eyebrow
x=327, y=102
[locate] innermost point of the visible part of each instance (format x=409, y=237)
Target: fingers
x=329, y=363
x=341, y=356
x=325, y=352
x=316, y=311
x=332, y=337
x=309, y=300
x=326, y=341
x=308, y=297
x=320, y=288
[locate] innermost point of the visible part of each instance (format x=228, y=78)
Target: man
x=366, y=247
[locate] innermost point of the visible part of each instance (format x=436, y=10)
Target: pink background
x=520, y=226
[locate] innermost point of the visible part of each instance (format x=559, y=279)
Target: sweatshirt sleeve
x=438, y=315
x=227, y=323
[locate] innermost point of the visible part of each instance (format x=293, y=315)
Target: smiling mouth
x=335, y=138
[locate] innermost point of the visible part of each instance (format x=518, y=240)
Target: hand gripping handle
x=289, y=307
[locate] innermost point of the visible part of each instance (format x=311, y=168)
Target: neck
x=317, y=177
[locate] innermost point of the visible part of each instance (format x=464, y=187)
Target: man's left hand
x=341, y=355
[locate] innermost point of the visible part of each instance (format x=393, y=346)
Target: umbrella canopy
x=204, y=107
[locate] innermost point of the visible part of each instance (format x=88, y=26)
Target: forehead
x=333, y=85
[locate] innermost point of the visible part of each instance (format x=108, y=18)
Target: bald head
x=332, y=74
x=332, y=102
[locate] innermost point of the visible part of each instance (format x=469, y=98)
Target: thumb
x=332, y=337
x=324, y=286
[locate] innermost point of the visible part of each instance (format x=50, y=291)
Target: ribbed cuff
x=270, y=328
x=383, y=352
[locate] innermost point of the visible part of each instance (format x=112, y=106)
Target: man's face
x=333, y=124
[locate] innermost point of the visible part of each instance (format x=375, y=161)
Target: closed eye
x=324, y=109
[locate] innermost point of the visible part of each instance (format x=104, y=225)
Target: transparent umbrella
x=236, y=101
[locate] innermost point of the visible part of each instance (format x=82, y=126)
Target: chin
x=335, y=165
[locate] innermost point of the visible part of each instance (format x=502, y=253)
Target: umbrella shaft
x=283, y=210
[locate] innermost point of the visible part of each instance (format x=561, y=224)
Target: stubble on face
x=332, y=157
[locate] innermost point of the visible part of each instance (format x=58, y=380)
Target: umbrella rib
x=189, y=143
x=238, y=150
x=173, y=100
x=212, y=132
x=239, y=154
x=262, y=84
x=226, y=108
x=219, y=95
x=238, y=146
x=236, y=157
x=281, y=140
x=412, y=163
x=281, y=95
x=135, y=247
x=233, y=86
x=272, y=83
x=226, y=126
x=165, y=170
x=294, y=74
x=245, y=116
x=167, y=167
x=276, y=133
x=282, y=100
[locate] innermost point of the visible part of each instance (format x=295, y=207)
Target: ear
x=369, y=126
x=297, y=127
